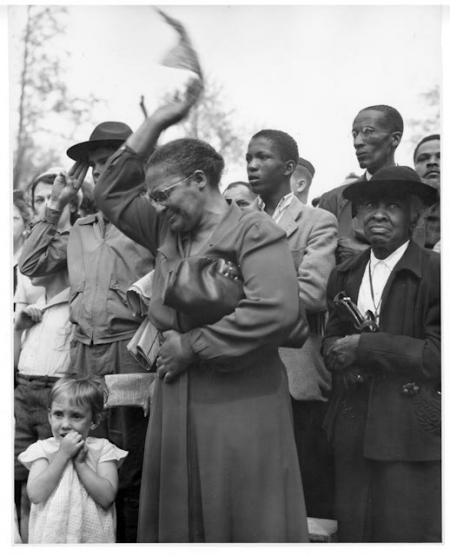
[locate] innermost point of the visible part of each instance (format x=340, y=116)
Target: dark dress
x=386, y=431
x=220, y=459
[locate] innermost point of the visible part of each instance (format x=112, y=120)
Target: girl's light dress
x=70, y=515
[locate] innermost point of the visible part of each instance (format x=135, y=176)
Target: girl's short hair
x=83, y=391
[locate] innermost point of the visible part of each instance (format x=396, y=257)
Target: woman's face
x=183, y=203
x=18, y=226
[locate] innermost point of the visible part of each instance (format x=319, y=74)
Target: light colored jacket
x=102, y=263
x=312, y=237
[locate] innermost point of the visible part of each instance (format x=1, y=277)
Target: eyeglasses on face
x=365, y=132
x=161, y=196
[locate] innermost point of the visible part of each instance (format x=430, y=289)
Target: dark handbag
x=204, y=288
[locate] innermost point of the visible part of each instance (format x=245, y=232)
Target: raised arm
x=120, y=191
x=45, y=250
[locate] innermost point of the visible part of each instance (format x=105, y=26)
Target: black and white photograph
x=224, y=274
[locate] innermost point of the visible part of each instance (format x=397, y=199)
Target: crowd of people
x=297, y=365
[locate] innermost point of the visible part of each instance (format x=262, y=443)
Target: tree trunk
x=20, y=143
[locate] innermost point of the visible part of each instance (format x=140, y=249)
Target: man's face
x=428, y=162
x=386, y=222
x=42, y=194
x=97, y=160
x=241, y=195
x=266, y=170
x=184, y=203
x=373, y=140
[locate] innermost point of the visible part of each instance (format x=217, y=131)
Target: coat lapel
x=290, y=218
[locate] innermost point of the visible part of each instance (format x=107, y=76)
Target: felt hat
x=106, y=134
x=398, y=181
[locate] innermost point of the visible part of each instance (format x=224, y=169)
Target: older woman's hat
x=106, y=134
x=393, y=181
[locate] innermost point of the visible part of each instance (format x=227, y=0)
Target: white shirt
x=283, y=204
x=25, y=292
x=381, y=270
x=46, y=345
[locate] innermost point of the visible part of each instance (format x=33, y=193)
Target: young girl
x=73, y=478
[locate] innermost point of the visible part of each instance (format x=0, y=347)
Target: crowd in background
x=247, y=432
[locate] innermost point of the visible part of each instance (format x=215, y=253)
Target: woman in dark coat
x=384, y=418
x=220, y=461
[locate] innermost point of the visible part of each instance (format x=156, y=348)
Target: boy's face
x=266, y=170
x=97, y=161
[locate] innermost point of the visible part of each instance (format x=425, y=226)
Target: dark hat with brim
x=106, y=134
x=394, y=181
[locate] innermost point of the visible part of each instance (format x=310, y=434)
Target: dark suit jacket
x=398, y=427
x=351, y=240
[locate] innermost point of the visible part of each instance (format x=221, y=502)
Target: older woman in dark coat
x=384, y=420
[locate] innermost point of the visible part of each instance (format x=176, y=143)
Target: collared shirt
x=283, y=204
x=46, y=345
x=379, y=270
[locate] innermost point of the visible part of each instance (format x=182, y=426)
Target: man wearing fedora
x=377, y=132
x=102, y=264
x=384, y=416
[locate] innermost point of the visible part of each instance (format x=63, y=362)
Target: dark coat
x=399, y=427
x=351, y=239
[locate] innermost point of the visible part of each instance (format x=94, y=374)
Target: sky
x=305, y=70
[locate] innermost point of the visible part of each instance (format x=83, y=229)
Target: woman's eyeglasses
x=161, y=196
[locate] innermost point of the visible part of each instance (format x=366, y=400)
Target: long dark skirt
x=220, y=461
x=381, y=501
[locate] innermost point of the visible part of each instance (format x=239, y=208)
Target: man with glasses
x=377, y=132
x=102, y=264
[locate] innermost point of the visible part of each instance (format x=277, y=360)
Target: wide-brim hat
x=398, y=181
x=106, y=134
